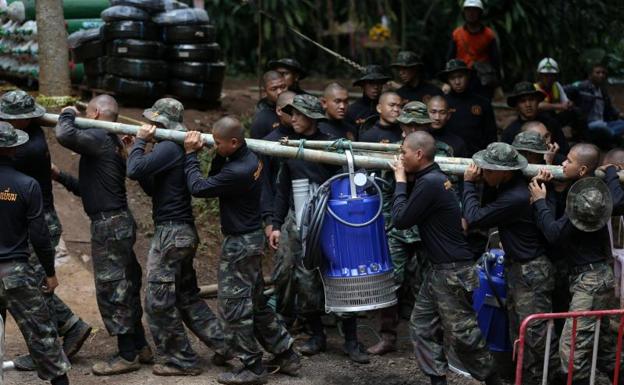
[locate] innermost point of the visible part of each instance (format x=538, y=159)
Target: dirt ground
x=77, y=287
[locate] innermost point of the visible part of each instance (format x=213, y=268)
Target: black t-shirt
x=472, y=119
x=421, y=93
x=382, y=134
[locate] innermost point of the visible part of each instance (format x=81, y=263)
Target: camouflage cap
x=308, y=105
x=18, y=104
x=523, y=89
x=168, y=112
x=11, y=137
x=414, y=113
x=289, y=63
x=372, y=73
x=407, y=59
x=530, y=141
x=500, y=156
x=451, y=66
x=589, y=204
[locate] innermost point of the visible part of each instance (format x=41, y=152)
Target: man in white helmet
x=556, y=103
x=475, y=44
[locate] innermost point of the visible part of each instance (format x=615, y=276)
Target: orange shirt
x=473, y=47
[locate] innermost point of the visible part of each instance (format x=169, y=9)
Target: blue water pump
x=346, y=239
x=489, y=301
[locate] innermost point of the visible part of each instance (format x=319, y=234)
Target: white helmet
x=548, y=65
x=473, y=4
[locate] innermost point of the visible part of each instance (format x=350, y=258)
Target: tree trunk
x=53, y=49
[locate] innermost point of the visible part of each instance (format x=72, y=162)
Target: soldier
x=532, y=146
x=472, y=117
x=236, y=179
x=172, y=296
x=22, y=220
x=475, y=44
x=404, y=245
x=306, y=110
x=266, y=120
x=553, y=156
x=292, y=71
x=335, y=102
x=410, y=68
x=525, y=98
x=364, y=109
x=101, y=184
x=33, y=159
x=439, y=113
x=443, y=302
x=386, y=129
x=582, y=235
x=528, y=271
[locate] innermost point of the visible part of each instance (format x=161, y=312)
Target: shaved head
x=421, y=140
x=228, y=128
x=439, y=100
x=103, y=107
x=615, y=157
x=285, y=98
x=270, y=76
x=587, y=154
x=386, y=95
x=332, y=88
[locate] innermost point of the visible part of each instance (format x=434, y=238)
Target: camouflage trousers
x=591, y=290
x=117, y=272
x=443, y=311
x=297, y=289
x=62, y=316
x=529, y=291
x=172, y=297
x=247, y=318
x=20, y=294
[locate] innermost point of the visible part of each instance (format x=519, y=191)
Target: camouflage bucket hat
x=18, y=104
x=500, y=156
x=372, y=73
x=414, y=113
x=589, y=204
x=308, y=105
x=168, y=112
x=10, y=137
x=407, y=59
x=523, y=89
x=451, y=66
x=290, y=64
x=531, y=142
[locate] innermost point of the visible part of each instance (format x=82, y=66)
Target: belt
x=173, y=223
x=452, y=265
x=108, y=214
x=585, y=268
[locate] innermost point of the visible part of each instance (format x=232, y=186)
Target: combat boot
x=75, y=338
x=356, y=352
x=243, y=376
x=314, y=345
x=287, y=363
x=172, y=370
x=387, y=344
x=115, y=365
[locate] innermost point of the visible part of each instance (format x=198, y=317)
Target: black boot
x=356, y=352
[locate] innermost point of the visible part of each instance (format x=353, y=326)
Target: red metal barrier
x=599, y=314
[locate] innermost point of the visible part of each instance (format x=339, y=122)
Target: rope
x=300, y=149
x=340, y=145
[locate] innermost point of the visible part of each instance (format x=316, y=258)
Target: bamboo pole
x=455, y=166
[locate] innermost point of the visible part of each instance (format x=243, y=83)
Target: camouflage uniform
x=283, y=275
x=529, y=291
x=172, y=298
x=444, y=303
x=116, y=271
x=242, y=304
x=61, y=314
x=20, y=294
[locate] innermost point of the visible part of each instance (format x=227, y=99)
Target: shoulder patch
x=258, y=172
x=275, y=125
x=447, y=185
x=476, y=109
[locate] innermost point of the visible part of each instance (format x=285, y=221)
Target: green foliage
x=528, y=30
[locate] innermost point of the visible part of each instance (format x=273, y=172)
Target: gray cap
x=308, y=105
x=589, y=204
x=530, y=141
x=168, y=112
x=414, y=113
x=11, y=137
x=500, y=156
